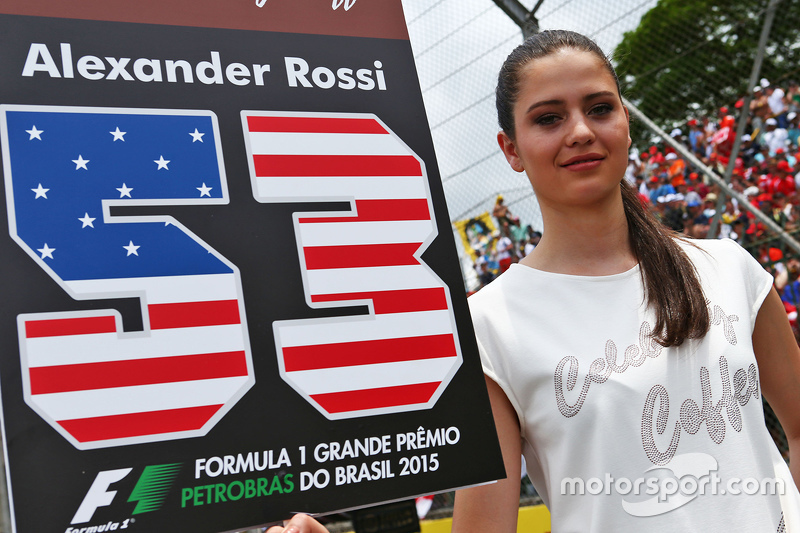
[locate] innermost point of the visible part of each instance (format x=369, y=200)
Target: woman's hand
x=300, y=523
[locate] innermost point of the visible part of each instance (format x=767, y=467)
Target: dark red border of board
x=365, y=18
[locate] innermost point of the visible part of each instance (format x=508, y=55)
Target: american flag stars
x=118, y=135
x=196, y=136
x=124, y=191
x=80, y=163
x=88, y=222
x=34, y=133
x=40, y=191
x=162, y=163
x=46, y=251
x=68, y=164
x=132, y=248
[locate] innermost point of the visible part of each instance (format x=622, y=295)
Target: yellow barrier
x=535, y=519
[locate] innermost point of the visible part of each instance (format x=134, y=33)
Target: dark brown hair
x=670, y=280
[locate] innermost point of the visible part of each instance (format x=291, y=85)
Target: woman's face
x=571, y=130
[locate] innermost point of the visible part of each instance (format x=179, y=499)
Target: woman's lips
x=586, y=162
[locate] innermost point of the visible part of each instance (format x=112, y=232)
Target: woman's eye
x=601, y=109
x=546, y=120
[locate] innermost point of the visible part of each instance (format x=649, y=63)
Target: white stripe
x=372, y=376
x=342, y=188
x=162, y=289
x=351, y=329
x=303, y=143
x=141, y=399
x=344, y=233
x=336, y=280
x=104, y=347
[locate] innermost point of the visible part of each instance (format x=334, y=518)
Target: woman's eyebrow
x=542, y=103
x=599, y=94
x=556, y=101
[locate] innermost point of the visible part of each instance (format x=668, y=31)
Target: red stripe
x=70, y=326
x=314, y=125
x=107, y=375
x=320, y=356
x=139, y=424
x=284, y=165
x=400, y=301
x=381, y=211
x=193, y=314
x=359, y=400
x=361, y=255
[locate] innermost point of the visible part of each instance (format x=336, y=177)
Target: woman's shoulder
x=725, y=263
x=712, y=250
x=502, y=292
x=492, y=293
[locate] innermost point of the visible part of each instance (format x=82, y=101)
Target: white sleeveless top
x=620, y=434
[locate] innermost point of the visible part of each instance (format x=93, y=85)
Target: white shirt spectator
x=775, y=139
x=775, y=101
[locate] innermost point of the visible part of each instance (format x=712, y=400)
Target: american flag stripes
x=403, y=354
x=97, y=385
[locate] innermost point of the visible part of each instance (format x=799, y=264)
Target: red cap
x=723, y=110
x=775, y=254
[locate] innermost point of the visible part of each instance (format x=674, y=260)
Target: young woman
x=615, y=351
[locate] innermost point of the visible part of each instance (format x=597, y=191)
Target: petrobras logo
x=148, y=494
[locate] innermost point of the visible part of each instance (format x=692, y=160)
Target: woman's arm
x=494, y=507
x=778, y=359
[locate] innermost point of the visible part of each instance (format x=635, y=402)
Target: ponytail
x=669, y=278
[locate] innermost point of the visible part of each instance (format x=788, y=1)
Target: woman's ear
x=628, y=119
x=510, y=151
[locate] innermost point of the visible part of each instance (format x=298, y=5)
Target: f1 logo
x=99, y=495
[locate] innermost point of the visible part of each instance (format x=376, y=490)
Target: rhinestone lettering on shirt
x=600, y=369
x=692, y=416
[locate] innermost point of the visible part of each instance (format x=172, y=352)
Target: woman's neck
x=586, y=241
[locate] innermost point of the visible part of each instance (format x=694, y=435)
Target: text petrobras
x=68, y=64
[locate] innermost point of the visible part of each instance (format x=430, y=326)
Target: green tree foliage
x=687, y=58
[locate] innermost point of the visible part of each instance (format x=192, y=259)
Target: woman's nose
x=580, y=131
